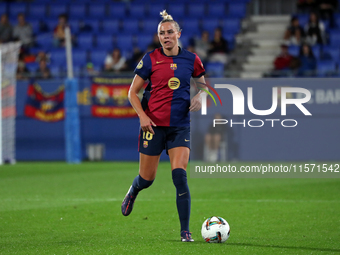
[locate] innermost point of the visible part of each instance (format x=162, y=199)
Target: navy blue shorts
x=164, y=138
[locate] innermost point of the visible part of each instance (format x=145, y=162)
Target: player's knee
x=143, y=184
x=179, y=177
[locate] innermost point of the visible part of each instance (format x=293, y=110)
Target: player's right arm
x=145, y=122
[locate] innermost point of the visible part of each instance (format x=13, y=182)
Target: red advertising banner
x=110, y=98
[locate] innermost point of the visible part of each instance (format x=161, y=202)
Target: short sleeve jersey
x=169, y=85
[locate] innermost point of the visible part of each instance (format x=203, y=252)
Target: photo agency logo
x=282, y=93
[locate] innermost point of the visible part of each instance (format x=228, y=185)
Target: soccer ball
x=215, y=230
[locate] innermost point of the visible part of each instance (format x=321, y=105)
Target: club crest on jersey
x=174, y=83
x=145, y=144
x=173, y=66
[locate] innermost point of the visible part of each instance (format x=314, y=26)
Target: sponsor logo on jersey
x=173, y=66
x=140, y=64
x=174, y=83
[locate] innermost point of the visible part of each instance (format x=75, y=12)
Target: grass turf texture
x=55, y=208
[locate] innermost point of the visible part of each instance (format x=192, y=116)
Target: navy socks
x=138, y=184
x=183, y=199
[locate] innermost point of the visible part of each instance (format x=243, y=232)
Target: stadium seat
x=15, y=8
x=44, y=41
x=137, y=10
x=56, y=9
x=124, y=42
x=191, y=27
x=214, y=69
x=74, y=26
x=334, y=38
x=55, y=71
x=35, y=26
x=58, y=57
x=37, y=11
x=330, y=52
x=150, y=25
x=50, y=23
x=326, y=68
x=177, y=11
x=92, y=25
x=97, y=10
x=77, y=11
x=98, y=57
x=104, y=41
x=143, y=41
x=110, y=26
x=210, y=25
x=316, y=51
x=303, y=19
x=131, y=25
x=185, y=40
x=155, y=9
x=3, y=7
x=117, y=10
x=231, y=40
x=79, y=57
x=294, y=50
x=85, y=41
x=216, y=10
x=237, y=9
x=196, y=10
x=231, y=25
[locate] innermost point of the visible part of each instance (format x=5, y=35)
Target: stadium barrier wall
x=315, y=138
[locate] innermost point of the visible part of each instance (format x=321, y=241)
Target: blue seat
x=124, y=42
x=143, y=41
x=210, y=24
x=185, y=40
x=79, y=57
x=97, y=10
x=326, y=68
x=37, y=11
x=98, y=57
x=117, y=10
x=74, y=26
x=85, y=41
x=77, y=10
x=216, y=10
x=35, y=26
x=150, y=25
x=15, y=8
x=44, y=41
x=104, y=41
x=331, y=52
x=215, y=69
x=51, y=23
x=231, y=25
x=191, y=26
x=55, y=71
x=303, y=19
x=110, y=26
x=334, y=39
x=92, y=25
x=3, y=7
x=316, y=51
x=58, y=57
x=155, y=9
x=230, y=39
x=294, y=50
x=131, y=25
x=196, y=10
x=177, y=11
x=137, y=10
x=237, y=9
x=56, y=9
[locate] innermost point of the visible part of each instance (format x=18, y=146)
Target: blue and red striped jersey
x=169, y=85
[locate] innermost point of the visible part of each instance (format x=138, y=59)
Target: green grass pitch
x=55, y=208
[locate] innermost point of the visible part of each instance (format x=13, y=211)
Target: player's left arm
x=196, y=101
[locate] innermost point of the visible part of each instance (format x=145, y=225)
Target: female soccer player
x=164, y=116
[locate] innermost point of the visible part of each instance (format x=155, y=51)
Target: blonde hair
x=168, y=18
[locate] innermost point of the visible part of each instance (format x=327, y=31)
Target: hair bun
x=166, y=16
